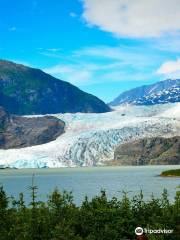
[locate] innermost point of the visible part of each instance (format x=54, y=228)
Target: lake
x=89, y=181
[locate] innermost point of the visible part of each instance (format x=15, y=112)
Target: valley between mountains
x=47, y=122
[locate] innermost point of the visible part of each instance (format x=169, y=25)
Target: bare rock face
x=146, y=151
x=18, y=132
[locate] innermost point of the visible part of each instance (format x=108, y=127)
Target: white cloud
x=168, y=44
x=105, y=64
x=58, y=69
x=75, y=74
x=121, y=76
x=123, y=55
x=170, y=69
x=50, y=52
x=88, y=73
x=134, y=18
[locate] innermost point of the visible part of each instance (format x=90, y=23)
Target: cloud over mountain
x=170, y=68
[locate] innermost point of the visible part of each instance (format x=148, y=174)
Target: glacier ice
x=90, y=138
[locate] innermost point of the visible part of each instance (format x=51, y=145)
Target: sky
x=104, y=47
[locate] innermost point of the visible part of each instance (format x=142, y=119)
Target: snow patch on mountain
x=90, y=139
x=165, y=96
x=167, y=91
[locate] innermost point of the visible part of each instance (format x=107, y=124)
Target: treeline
x=97, y=219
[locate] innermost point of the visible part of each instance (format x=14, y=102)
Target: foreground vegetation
x=171, y=173
x=96, y=219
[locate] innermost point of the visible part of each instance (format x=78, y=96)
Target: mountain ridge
x=159, y=92
x=25, y=90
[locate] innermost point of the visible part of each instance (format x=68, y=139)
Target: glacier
x=90, y=138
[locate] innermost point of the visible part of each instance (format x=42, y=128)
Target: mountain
x=25, y=90
x=156, y=150
x=167, y=91
x=18, y=132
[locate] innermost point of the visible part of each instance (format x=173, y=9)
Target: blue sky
x=102, y=46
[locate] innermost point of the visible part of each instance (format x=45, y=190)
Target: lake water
x=89, y=181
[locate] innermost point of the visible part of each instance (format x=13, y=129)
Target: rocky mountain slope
x=167, y=91
x=146, y=151
x=18, y=132
x=90, y=139
x=25, y=90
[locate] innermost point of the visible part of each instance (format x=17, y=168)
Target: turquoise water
x=89, y=181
